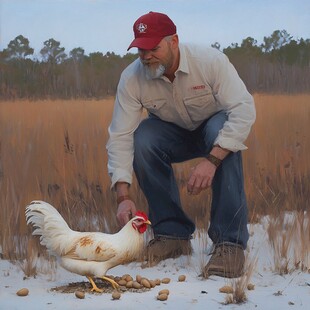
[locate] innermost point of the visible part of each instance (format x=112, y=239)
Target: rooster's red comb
x=142, y=214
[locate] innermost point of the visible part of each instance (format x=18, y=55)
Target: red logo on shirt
x=198, y=87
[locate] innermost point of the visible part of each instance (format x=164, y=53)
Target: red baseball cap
x=150, y=29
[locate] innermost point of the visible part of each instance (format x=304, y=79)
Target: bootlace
x=224, y=249
x=155, y=240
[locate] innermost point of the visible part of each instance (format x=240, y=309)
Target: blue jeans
x=158, y=144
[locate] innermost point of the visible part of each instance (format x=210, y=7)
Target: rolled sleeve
x=118, y=174
x=232, y=95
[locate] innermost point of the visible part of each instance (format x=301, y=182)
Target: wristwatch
x=214, y=160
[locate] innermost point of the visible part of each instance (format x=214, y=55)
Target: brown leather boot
x=227, y=261
x=161, y=248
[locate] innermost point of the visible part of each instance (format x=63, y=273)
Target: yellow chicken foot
x=113, y=283
x=94, y=286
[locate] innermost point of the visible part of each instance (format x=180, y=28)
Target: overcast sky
x=106, y=25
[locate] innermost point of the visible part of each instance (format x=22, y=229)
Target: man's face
x=157, y=60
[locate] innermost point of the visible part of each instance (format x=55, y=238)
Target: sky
x=106, y=25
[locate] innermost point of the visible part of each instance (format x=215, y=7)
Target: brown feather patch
x=85, y=241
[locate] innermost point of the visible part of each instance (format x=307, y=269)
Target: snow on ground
x=271, y=291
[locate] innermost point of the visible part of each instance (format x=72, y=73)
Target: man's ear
x=175, y=41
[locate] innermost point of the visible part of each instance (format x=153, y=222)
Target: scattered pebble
x=80, y=294
x=162, y=297
x=145, y=282
x=164, y=291
x=22, y=292
x=128, y=278
x=165, y=280
x=226, y=289
x=251, y=287
x=116, y=295
x=182, y=278
x=136, y=285
x=157, y=281
x=129, y=284
x=122, y=282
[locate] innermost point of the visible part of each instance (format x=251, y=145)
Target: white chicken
x=89, y=254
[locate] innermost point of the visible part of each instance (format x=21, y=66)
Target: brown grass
x=277, y=165
x=240, y=285
x=289, y=239
x=55, y=151
x=280, y=235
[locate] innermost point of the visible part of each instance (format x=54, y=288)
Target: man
x=198, y=107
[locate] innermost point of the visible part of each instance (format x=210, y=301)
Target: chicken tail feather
x=54, y=232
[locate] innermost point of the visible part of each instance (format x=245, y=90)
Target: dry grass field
x=55, y=151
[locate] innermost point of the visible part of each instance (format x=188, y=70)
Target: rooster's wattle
x=89, y=254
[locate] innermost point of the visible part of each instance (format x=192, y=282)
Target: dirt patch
x=86, y=288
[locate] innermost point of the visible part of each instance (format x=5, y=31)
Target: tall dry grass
x=55, y=151
x=277, y=164
x=289, y=239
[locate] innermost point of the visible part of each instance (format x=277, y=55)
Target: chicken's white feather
x=54, y=232
x=85, y=253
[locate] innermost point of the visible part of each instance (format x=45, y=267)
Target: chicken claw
x=113, y=283
x=94, y=286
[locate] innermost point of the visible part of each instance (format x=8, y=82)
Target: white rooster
x=89, y=254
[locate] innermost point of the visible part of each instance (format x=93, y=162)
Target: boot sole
x=223, y=274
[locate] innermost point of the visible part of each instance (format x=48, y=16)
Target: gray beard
x=156, y=73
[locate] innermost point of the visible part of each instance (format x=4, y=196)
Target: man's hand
x=201, y=177
x=126, y=209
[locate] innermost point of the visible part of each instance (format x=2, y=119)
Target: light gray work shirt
x=205, y=83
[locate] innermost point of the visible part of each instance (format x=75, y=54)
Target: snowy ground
x=271, y=291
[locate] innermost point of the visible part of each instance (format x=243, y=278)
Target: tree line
x=280, y=64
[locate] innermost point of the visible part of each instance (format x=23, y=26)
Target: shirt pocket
x=201, y=106
x=155, y=106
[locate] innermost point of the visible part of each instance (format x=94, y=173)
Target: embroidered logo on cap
x=141, y=27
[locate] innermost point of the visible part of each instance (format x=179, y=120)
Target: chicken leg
x=98, y=290
x=94, y=286
x=113, y=283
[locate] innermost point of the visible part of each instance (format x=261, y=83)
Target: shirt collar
x=183, y=66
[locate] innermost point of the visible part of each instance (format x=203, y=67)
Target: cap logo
x=141, y=28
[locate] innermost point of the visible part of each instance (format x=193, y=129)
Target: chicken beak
x=148, y=222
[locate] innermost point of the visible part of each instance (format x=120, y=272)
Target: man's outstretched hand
x=126, y=210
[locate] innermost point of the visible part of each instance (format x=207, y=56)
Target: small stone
x=22, y=292
x=146, y=283
x=164, y=291
x=162, y=297
x=226, y=289
x=80, y=294
x=182, y=278
x=136, y=285
x=165, y=280
x=116, y=295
